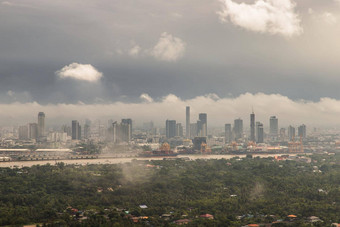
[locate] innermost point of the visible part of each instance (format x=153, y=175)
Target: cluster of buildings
x=174, y=132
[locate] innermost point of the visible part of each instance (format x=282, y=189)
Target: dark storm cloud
x=38, y=38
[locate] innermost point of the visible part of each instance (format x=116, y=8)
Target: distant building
x=291, y=133
x=227, y=133
x=238, y=128
x=252, y=127
x=23, y=132
x=128, y=132
x=187, y=122
x=197, y=142
x=202, y=125
x=170, y=128
x=179, y=130
x=259, y=132
x=125, y=130
x=76, y=130
x=282, y=133
x=273, y=126
x=33, y=130
x=87, y=131
x=41, y=124
x=302, y=131
x=193, y=130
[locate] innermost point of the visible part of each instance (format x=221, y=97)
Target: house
x=182, y=221
x=207, y=216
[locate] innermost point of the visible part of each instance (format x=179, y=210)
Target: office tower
x=259, y=132
x=115, y=129
x=202, y=125
x=170, y=128
x=227, y=133
x=273, y=126
x=252, y=127
x=238, y=128
x=128, y=133
x=23, y=132
x=282, y=133
x=187, y=122
x=87, y=131
x=179, y=130
x=41, y=124
x=291, y=133
x=302, y=131
x=193, y=130
x=33, y=130
x=76, y=130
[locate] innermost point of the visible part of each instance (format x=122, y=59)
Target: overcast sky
x=63, y=55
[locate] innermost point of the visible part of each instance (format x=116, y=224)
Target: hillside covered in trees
x=221, y=192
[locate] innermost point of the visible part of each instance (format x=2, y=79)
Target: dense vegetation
x=236, y=192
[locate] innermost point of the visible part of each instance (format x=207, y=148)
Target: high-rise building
x=202, y=125
x=23, y=132
x=302, y=131
x=273, y=126
x=76, y=130
x=187, y=122
x=179, y=130
x=259, y=132
x=252, y=127
x=115, y=129
x=282, y=133
x=291, y=133
x=128, y=132
x=87, y=131
x=238, y=128
x=227, y=133
x=41, y=124
x=193, y=130
x=33, y=130
x=170, y=128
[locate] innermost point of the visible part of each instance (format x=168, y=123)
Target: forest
x=204, y=192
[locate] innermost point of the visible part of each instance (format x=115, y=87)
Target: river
x=108, y=160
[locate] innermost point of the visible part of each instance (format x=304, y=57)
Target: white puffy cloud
x=265, y=16
x=85, y=72
x=145, y=97
x=168, y=48
x=324, y=112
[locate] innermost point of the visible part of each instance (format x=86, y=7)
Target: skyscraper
x=23, y=132
x=252, y=127
x=302, y=131
x=291, y=133
x=187, y=122
x=33, y=130
x=170, y=127
x=273, y=126
x=259, y=132
x=41, y=124
x=238, y=128
x=227, y=133
x=76, y=130
x=202, y=125
x=179, y=130
x=126, y=130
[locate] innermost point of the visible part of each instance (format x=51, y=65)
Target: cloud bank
x=325, y=112
x=264, y=16
x=85, y=72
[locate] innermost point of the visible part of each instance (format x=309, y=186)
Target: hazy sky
x=84, y=53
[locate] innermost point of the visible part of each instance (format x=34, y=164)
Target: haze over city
x=223, y=57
